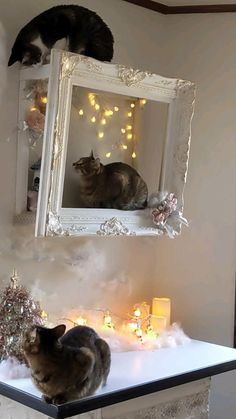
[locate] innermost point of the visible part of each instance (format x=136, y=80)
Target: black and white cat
x=71, y=28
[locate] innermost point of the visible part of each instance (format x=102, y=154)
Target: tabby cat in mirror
x=114, y=185
x=68, y=27
x=67, y=366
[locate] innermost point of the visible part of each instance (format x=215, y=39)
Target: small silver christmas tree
x=18, y=312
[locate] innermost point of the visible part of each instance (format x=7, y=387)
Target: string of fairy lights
x=145, y=321
x=102, y=114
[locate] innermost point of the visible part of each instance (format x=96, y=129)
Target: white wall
x=198, y=269
x=119, y=267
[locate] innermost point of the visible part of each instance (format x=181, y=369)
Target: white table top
x=144, y=369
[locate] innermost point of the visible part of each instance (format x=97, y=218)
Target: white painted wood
x=66, y=70
x=145, y=366
x=78, y=70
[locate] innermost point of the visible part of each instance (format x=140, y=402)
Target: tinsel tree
x=18, y=312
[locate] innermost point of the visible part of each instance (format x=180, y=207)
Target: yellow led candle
x=116, y=109
x=129, y=114
x=129, y=127
x=97, y=107
x=33, y=109
x=108, y=154
x=124, y=146
x=132, y=105
x=93, y=119
x=44, y=99
x=158, y=323
x=134, y=155
x=123, y=130
x=81, y=112
x=103, y=121
x=161, y=307
x=129, y=136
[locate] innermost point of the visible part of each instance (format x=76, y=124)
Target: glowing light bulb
x=129, y=127
x=124, y=146
x=132, y=105
x=44, y=99
x=97, y=107
x=81, y=112
x=123, y=130
x=130, y=114
x=108, y=112
x=108, y=154
x=100, y=134
x=33, y=109
x=103, y=121
x=107, y=318
x=137, y=312
x=143, y=101
x=93, y=119
x=139, y=332
x=81, y=321
x=116, y=109
x=133, y=326
x=134, y=155
x=44, y=315
x=129, y=136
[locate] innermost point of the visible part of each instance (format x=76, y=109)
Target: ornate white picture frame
x=165, y=207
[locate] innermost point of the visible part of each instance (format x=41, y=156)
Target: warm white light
x=108, y=154
x=134, y=155
x=107, y=318
x=108, y=112
x=93, y=119
x=124, y=146
x=123, y=130
x=44, y=99
x=44, y=315
x=133, y=326
x=128, y=127
x=97, y=107
x=33, y=109
x=137, y=312
x=116, y=109
x=103, y=121
x=139, y=333
x=143, y=101
x=130, y=114
x=132, y=105
x=129, y=136
x=81, y=112
x=81, y=321
x=100, y=134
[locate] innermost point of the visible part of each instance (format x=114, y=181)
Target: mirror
x=115, y=150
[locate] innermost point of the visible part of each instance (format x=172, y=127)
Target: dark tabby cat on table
x=66, y=367
x=115, y=185
x=68, y=27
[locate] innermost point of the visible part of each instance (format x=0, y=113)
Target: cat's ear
x=97, y=162
x=91, y=155
x=58, y=331
x=13, y=58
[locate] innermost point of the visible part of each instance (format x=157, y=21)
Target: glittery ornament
x=18, y=312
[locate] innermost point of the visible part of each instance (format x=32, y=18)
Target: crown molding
x=171, y=10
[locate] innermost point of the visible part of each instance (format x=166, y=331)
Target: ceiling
x=193, y=2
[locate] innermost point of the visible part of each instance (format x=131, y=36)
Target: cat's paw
x=59, y=399
x=47, y=399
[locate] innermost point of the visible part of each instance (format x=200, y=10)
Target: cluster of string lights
x=102, y=116
x=137, y=324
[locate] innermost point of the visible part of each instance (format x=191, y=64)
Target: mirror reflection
x=114, y=152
